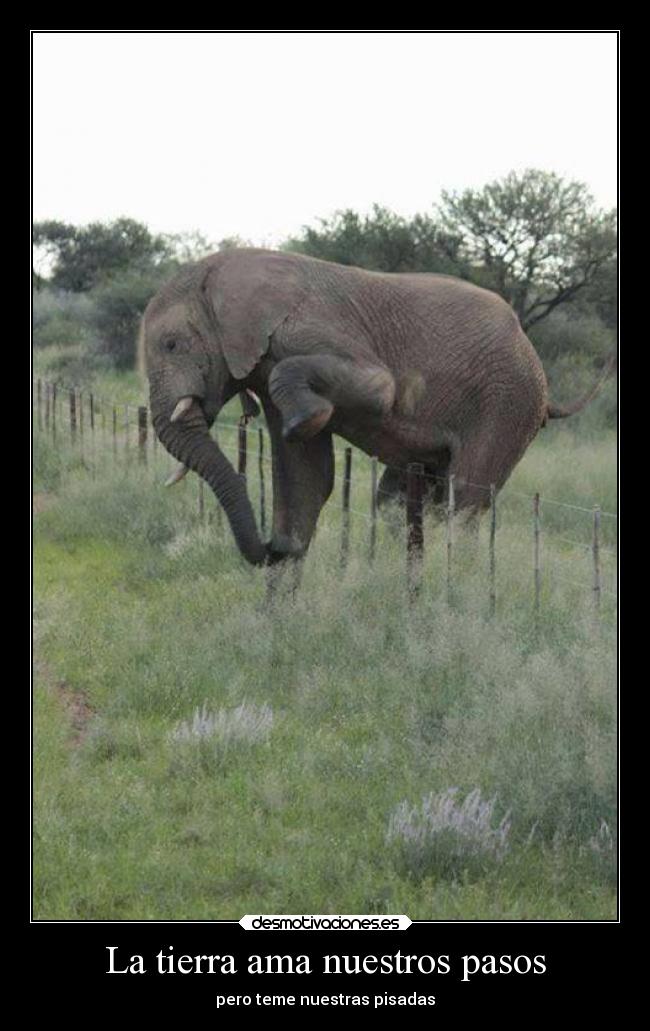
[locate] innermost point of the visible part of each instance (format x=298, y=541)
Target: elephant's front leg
x=303, y=478
x=307, y=388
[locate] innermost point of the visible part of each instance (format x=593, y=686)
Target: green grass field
x=331, y=707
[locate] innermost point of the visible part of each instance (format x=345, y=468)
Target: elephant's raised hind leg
x=307, y=388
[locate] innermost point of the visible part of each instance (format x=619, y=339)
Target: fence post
x=114, y=432
x=414, y=534
x=73, y=415
x=39, y=414
x=47, y=406
x=54, y=411
x=201, y=501
x=142, y=434
x=127, y=427
x=91, y=401
x=595, y=551
x=373, y=508
x=242, y=436
x=451, y=508
x=81, y=426
x=345, y=515
x=536, y=536
x=260, y=462
x=493, y=564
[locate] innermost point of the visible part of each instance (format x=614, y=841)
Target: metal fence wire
x=112, y=422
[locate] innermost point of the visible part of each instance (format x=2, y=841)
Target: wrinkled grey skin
x=408, y=368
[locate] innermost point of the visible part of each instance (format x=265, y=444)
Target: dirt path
x=40, y=500
x=78, y=710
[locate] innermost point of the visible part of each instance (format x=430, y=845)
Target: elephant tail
x=555, y=411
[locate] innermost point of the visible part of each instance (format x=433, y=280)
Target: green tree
x=382, y=241
x=536, y=239
x=81, y=257
x=117, y=307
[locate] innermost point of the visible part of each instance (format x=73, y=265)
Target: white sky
x=256, y=134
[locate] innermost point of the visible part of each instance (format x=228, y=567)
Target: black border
x=63, y=958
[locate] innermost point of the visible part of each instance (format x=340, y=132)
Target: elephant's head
x=203, y=336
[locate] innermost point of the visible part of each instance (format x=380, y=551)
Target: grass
x=366, y=703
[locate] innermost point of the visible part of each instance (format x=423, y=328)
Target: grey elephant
x=407, y=367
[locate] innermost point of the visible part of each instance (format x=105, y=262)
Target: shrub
x=210, y=739
x=60, y=318
x=118, y=308
x=564, y=333
x=247, y=723
x=447, y=838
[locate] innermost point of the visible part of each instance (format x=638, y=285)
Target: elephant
x=408, y=367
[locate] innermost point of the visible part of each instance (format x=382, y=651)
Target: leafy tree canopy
x=533, y=237
x=381, y=240
x=81, y=257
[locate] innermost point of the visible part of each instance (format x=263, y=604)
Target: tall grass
x=377, y=703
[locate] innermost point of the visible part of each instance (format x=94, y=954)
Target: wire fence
x=95, y=426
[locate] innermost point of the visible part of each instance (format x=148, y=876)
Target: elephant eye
x=171, y=345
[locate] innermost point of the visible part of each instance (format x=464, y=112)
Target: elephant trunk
x=188, y=439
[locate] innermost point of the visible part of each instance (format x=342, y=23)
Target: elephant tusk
x=178, y=474
x=181, y=408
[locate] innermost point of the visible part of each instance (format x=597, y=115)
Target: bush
x=563, y=334
x=117, y=310
x=60, y=318
x=71, y=366
x=446, y=837
x=210, y=739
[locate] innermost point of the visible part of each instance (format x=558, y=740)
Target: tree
x=117, y=308
x=537, y=240
x=81, y=257
x=230, y=243
x=190, y=246
x=382, y=241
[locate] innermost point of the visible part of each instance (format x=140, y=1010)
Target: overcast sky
x=256, y=134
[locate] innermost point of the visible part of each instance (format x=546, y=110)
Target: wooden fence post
x=142, y=434
x=54, y=411
x=81, y=413
x=73, y=415
x=127, y=428
x=373, y=509
x=115, y=432
x=260, y=462
x=39, y=413
x=201, y=501
x=47, y=406
x=345, y=514
x=91, y=401
x=414, y=532
x=595, y=551
x=536, y=538
x=451, y=508
x=493, y=565
x=242, y=436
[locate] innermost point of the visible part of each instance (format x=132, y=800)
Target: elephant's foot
x=306, y=425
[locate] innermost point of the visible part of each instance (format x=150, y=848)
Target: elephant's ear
x=250, y=294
